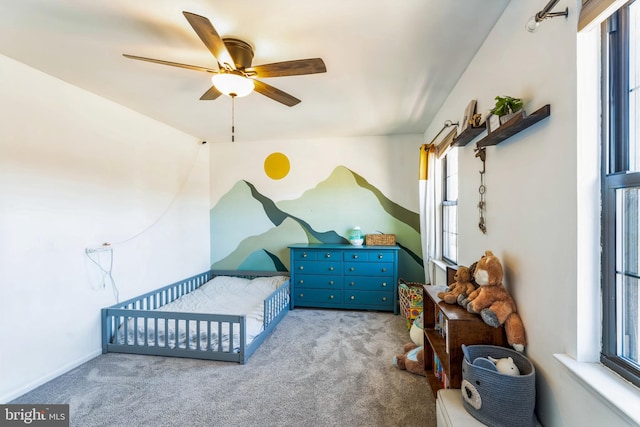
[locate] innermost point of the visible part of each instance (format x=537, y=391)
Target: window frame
x=449, y=204
x=615, y=175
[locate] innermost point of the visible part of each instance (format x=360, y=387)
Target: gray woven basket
x=496, y=399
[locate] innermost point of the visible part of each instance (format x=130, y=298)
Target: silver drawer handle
x=384, y=298
x=331, y=297
x=352, y=283
x=384, y=269
x=352, y=297
x=384, y=284
x=301, y=295
x=331, y=282
x=355, y=256
x=380, y=256
x=300, y=282
x=301, y=267
x=352, y=269
x=304, y=255
x=330, y=268
x=328, y=255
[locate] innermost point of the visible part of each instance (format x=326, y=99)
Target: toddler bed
x=216, y=315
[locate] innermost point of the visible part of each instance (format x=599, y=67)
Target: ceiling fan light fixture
x=232, y=84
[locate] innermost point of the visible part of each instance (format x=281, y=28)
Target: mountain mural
x=250, y=231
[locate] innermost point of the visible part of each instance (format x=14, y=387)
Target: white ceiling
x=390, y=63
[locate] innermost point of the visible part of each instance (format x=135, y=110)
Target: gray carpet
x=318, y=368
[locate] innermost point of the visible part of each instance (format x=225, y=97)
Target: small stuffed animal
x=461, y=286
x=417, y=331
x=472, y=270
x=506, y=366
x=492, y=301
x=412, y=359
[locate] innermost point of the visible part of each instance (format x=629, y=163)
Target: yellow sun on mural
x=276, y=165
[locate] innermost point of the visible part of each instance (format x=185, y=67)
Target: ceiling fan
x=235, y=76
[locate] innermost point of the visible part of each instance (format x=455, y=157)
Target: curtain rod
x=447, y=123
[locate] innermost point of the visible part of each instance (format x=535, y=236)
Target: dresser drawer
x=368, y=268
x=378, y=300
x=317, y=255
x=356, y=255
x=318, y=267
x=304, y=255
x=368, y=283
x=318, y=281
x=382, y=256
x=318, y=297
x=328, y=255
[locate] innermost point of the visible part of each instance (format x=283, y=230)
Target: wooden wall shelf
x=468, y=135
x=516, y=124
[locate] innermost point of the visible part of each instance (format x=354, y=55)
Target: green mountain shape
x=403, y=214
x=244, y=212
x=235, y=217
x=277, y=216
x=262, y=260
x=273, y=243
x=264, y=228
x=343, y=199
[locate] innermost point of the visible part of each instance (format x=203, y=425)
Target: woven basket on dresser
x=496, y=399
x=380, y=240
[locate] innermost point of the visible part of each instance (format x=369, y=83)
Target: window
x=621, y=193
x=450, y=207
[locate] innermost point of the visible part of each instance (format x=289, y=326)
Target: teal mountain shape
x=251, y=231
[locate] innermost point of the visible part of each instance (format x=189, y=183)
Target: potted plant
x=506, y=107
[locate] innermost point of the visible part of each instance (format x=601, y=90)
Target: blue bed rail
x=214, y=332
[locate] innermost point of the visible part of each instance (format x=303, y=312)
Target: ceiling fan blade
x=211, y=39
x=289, y=68
x=173, y=64
x=211, y=94
x=275, y=94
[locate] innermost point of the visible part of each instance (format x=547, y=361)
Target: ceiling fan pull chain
x=233, y=118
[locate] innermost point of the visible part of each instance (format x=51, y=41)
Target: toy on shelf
x=493, y=302
x=461, y=286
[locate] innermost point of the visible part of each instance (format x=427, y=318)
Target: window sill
x=442, y=264
x=618, y=394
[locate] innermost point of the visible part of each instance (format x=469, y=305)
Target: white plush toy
x=417, y=331
x=506, y=366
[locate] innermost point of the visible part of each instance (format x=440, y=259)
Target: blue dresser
x=344, y=276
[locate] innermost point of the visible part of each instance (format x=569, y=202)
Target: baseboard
x=42, y=380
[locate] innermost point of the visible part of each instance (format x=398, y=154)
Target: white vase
x=356, y=238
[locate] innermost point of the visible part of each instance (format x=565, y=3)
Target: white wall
x=77, y=170
x=531, y=195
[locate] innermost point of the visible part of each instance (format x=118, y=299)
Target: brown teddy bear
x=412, y=359
x=461, y=286
x=493, y=302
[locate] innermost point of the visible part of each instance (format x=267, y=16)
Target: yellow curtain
x=427, y=194
x=593, y=12
x=425, y=149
